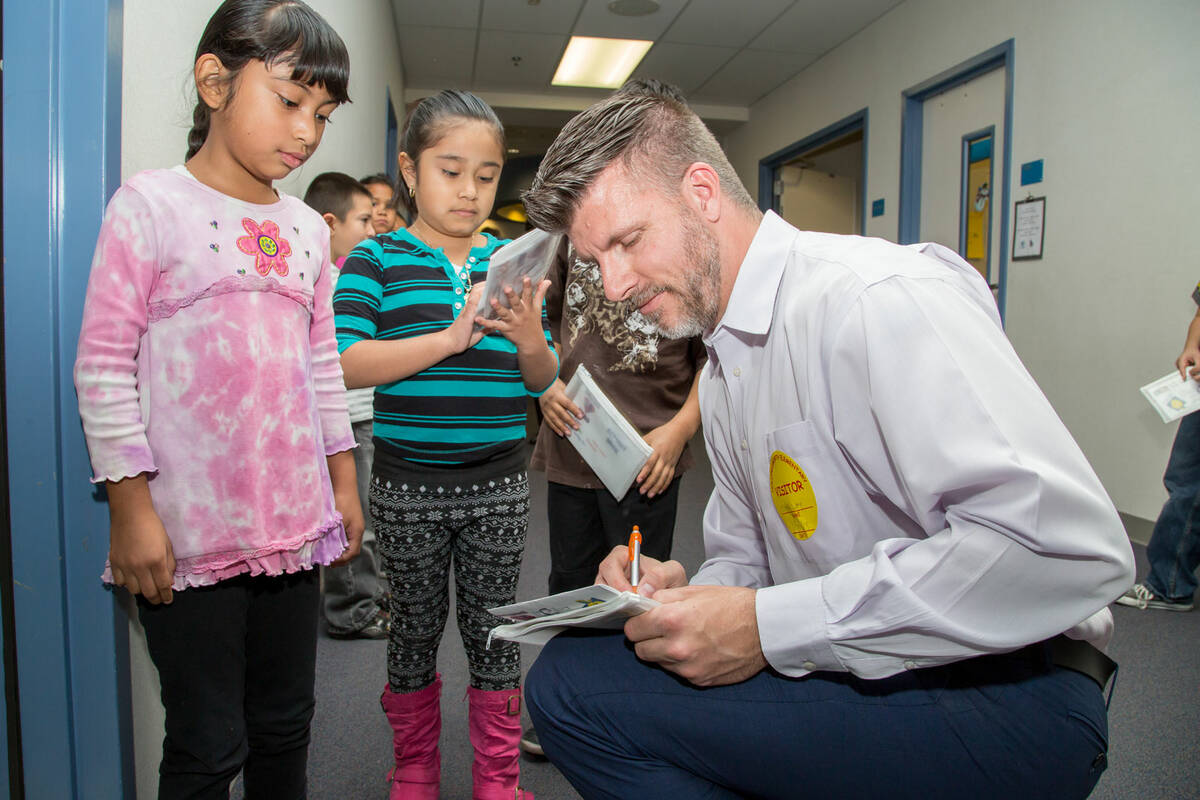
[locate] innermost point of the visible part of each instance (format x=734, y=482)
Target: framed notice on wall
x=1029, y=228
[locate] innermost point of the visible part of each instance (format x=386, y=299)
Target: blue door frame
x=911, y=140
x=768, y=167
x=62, y=122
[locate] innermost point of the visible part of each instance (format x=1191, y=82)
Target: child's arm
x=139, y=551
x=371, y=362
x=345, y=499
x=668, y=441
x=521, y=323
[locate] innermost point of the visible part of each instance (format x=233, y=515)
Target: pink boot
x=416, y=719
x=495, y=726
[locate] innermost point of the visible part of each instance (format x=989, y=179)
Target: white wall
x=1108, y=93
x=156, y=113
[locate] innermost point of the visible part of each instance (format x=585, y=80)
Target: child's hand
x=462, y=332
x=352, y=518
x=140, y=555
x=521, y=321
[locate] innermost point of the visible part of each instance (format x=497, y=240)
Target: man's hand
x=614, y=572
x=560, y=413
x=705, y=634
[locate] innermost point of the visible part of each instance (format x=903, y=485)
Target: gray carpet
x=1154, y=719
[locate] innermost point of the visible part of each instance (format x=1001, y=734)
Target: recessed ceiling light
x=599, y=63
x=633, y=8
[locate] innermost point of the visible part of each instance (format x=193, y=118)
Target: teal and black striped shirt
x=464, y=410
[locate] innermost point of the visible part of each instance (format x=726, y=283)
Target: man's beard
x=698, y=297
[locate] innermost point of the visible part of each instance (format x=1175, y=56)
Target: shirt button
x=471, y=259
x=737, y=372
x=458, y=305
x=810, y=666
x=910, y=665
x=745, y=445
x=458, y=290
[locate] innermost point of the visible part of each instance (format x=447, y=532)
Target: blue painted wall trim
x=61, y=163
x=768, y=167
x=911, y=132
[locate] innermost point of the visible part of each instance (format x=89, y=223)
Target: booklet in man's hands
x=539, y=621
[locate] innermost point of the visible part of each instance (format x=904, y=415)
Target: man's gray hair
x=649, y=127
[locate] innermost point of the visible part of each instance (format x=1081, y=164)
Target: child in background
x=383, y=205
x=213, y=405
x=353, y=591
x=449, y=481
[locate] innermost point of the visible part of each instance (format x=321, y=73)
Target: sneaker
x=1141, y=596
x=377, y=628
x=530, y=744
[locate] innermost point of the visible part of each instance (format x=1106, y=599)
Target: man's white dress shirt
x=887, y=473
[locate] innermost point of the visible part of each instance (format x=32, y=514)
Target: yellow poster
x=977, y=199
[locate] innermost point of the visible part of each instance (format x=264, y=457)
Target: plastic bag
x=531, y=254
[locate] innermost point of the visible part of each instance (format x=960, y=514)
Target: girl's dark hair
x=428, y=122
x=272, y=31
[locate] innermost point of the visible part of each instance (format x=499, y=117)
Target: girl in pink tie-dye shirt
x=214, y=409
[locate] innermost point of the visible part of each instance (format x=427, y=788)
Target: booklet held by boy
x=539, y=621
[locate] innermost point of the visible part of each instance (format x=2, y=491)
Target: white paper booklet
x=539, y=621
x=1173, y=397
x=608, y=443
x=530, y=254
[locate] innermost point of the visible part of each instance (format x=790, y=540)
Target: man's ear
x=210, y=81
x=330, y=219
x=702, y=190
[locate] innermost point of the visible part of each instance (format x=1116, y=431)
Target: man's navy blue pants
x=998, y=726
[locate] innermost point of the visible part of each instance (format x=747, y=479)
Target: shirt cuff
x=791, y=628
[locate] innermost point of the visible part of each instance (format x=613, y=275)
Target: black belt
x=1077, y=655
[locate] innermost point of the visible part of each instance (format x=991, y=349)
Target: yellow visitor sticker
x=793, y=496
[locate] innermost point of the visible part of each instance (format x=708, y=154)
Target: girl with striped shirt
x=449, y=483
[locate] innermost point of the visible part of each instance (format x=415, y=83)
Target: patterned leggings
x=418, y=528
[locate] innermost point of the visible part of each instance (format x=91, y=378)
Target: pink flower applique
x=266, y=245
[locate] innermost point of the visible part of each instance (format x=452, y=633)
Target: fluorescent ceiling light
x=599, y=63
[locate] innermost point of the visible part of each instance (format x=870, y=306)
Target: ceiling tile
x=539, y=54
x=440, y=14
x=597, y=20
x=821, y=25
x=553, y=16
x=686, y=66
x=752, y=74
x=437, y=57
x=720, y=22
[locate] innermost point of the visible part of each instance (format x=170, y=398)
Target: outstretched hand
x=519, y=318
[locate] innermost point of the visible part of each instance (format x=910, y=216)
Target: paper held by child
x=609, y=444
x=530, y=254
x=539, y=621
x=1172, y=396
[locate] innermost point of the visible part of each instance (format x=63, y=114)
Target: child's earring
x=412, y=192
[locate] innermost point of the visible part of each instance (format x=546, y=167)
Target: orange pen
x=635, y=556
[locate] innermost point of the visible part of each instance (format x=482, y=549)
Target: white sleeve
x=937, y=412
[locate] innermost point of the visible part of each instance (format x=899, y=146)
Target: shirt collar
x=757, y=282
